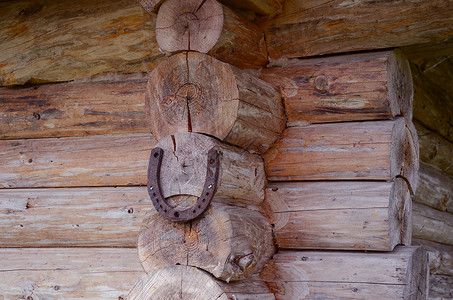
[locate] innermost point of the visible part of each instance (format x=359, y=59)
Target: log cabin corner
x=230, y=149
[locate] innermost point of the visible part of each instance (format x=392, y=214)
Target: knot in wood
x=321, y=84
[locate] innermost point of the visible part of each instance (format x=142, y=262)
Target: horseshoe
x=159, y=202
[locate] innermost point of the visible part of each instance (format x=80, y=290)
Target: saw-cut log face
x=192, y=92
x=189, y=25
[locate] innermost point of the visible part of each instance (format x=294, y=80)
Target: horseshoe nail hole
x=157, y=200
x=176, y=214
x=165, y=210
x=211, y=161
x=154, y=194
x=203, y=200
x=194, y=211
x=156, y=154
x=160, y=206
x=207, y=194
x=199, y=206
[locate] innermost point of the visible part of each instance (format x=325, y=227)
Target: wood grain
x=68, y=273
x=355, y=87
x=107, y=160
x=110, y=106
x=184, y=282
x=435, y=189
x=343, y=26
x=401, y=274
x=55, y=41
x=432, y=225
x=229, y=242
x=193, y=92
x=343, y=151
x=440, y=257
x=440, y=287
x=262, y=7
x=72, y=217
x=340, y=215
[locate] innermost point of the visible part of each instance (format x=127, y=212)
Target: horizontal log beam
x=440, y=257
x=432, y=225
x=351, y=150
x=72, y=217
x=435, y=188
x=108, y=160
x=435, y=150
x=342, y=26
x=113, y=105
x=262, y=7
x=401, y=274
x=440, y=287
x=361, y=215
x=356, y=87
x=68, y=273
x=114, y=37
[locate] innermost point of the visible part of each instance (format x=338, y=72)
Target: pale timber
x=209, y=27
x=433, y=94
x=107, y=160
x=193, y=92
x=184, y=165
x=432, y=225
x=401, y=274
x=377, y=150
x=72, y=217
x=229, y=242
x=68, y=273
x=440, y=257
x=150, y=6
x=356, y=87
x=113, y=105
x=435, y=150
x=340, y=215
x=189, y=283
x=60, y=41
x=440, y=287
x=343, y=26
x=435, y=188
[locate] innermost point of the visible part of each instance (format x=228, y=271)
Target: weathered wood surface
x=72, y=217
x=340, y=215
x=440, y=287
x=440, y=257
x=367, y=86
x=432, y=225
x=209, y=27
x=114, y=105
x=262, y=7
x=193, y=92
x=54, y=41
x=351, y=150
x=150, y=6
x=342, y=26
x=189, y=283
x=401, y=274
x=184, y=166
x=435, y=150
x=433, y=94
x=435, y=189
x=107, y=160
x=229, y=242
x=68, y=273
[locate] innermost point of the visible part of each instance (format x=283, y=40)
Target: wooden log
x=435, y=189
x=72, y=217
x=435, y=150
x=432, y=225
x=114, y=37
x=440, y=257
x=189, y=283
x=440, y=287
x=209, y=27
x=109, y=160
x=401, y=274
x=229, y=242
x=364, y=150
x=113, y=105
x=342, y=26
x=355, y=87
x=340, y=215
x=262, y=7
x=192, y=92
x=68, y=273
x=433, y=94
x=184, y=165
